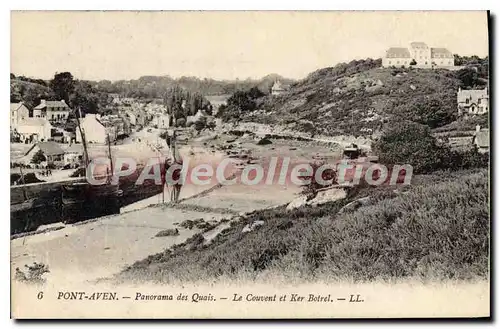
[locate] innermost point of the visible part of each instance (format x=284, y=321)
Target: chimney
x=63, y=101
x=478, y=128
x=42, y=101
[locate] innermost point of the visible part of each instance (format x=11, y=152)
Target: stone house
x=54, y=154
x=54, y=111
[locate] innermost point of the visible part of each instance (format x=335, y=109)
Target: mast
x=110, y=158
x=84, y=142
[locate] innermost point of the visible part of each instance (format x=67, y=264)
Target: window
x=479, y=101
x=467, y=101
x=397, y=62
x=389, y=62
x=425, y=63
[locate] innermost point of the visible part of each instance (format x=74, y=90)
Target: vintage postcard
x=249, y=164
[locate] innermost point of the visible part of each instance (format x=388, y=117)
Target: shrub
x=181, y=122
x=38, y=157
x=410, y=143
x=33, y=275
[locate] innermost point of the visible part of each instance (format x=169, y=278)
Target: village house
x=54, y=111
x=53, y=153
x=472, y=101
x=94, y=130
x=191, y=119
x=161, y=120
x=32, y=130
x=278, y=88
x=73, y=155
x=131, y=117
x=418, y=55
x=18, y=112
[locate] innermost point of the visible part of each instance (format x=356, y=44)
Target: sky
x=96, y=45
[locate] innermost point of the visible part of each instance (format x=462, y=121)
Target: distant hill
x=359, y=97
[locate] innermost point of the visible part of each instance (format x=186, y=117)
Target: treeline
x=76, y=93
x=150, y=87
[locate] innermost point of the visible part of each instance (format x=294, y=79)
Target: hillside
x=424, y=233
x=29, y=92
x=358, y=97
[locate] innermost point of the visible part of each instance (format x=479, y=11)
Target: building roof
x=398, y=52
x=43, y=104
x=482, y=138
x=74, y=148
x=421, y=45
x=441, y=53
x=472, y=95
x=34, y=122
x=48, y=148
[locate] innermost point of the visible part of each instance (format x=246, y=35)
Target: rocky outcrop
x=328, y=195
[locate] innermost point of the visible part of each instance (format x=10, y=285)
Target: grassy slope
x=349, y=97
x=439, y=230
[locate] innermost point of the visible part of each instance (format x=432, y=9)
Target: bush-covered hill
x=358, y=97
x=438, y=230
x=30, y=92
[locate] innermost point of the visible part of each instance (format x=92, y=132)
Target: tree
x=84, y=97
x=38, y=157
x=63, y=85
x=432, y=110
x=469, y=78
x=406, y=142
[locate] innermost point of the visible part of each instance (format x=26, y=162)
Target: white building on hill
x=18, y=113
x=278, y=88
x=472, y=101
x=418, y=55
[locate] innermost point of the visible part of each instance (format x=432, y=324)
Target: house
x=94, y=130
x=32, y=130
x=278, y=88
x=418, y=55
x=482, y=139
x=53, y=153
x=190, y=119
x=18, y=112
x=472, y=101
x=54, y=111
x=161, y=120
x=73, y=155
